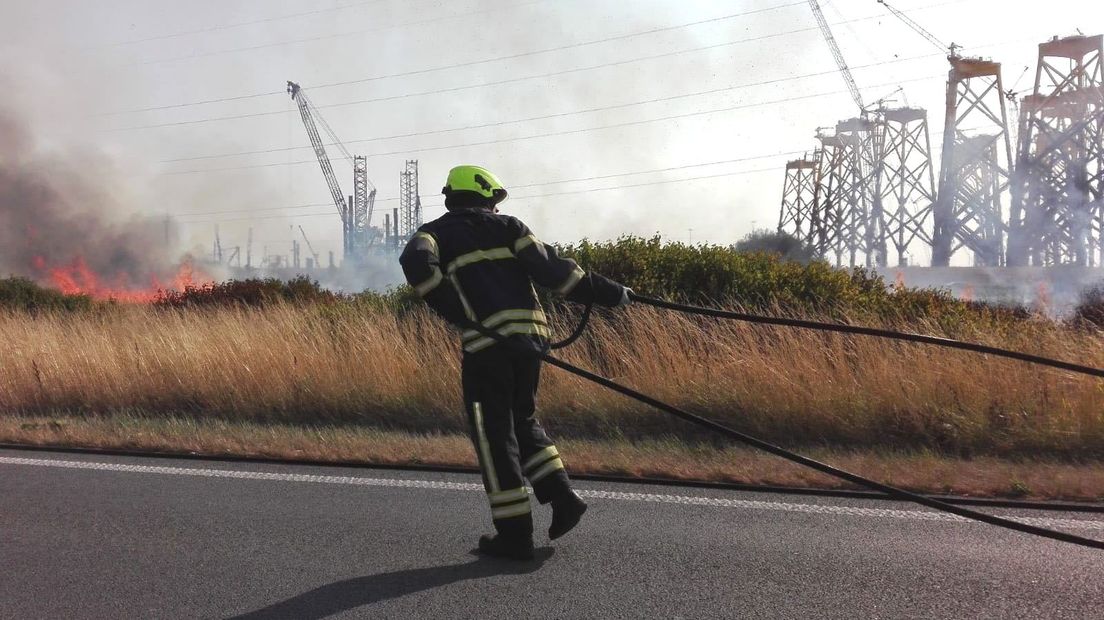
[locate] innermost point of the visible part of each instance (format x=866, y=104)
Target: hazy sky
x=712, y=110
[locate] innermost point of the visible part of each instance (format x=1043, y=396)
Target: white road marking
x=854, y=511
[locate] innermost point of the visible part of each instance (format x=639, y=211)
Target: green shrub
x=253, y=292
x=764, y=282
x=25, y=295
x=402, y=299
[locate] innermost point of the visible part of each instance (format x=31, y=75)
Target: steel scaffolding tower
x=799, y=208
x=1058, y=212
x=826, y=237
x=974, y=174
x=859, y=225
x=905, y=181
x=364, y=200
x=410, y=203
x=872, y=186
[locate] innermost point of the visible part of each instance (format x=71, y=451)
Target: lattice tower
x=859, y=225
x=364, y=197
x=799, y=199
x=905, y=181
x=830, y=211
x=1058, y=212
x=974, y=173
x=410, y=204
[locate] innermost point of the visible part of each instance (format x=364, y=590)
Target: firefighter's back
x=478, y=255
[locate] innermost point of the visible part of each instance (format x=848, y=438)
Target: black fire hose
x=870, y=331
x=784, y=453
x=583, y=320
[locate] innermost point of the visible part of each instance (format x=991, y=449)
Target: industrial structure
x=904, y=191
x=971, y=207
x=360, y=238
x=410, y=203
x=1058, y=190
x=869, y=192
x=356, y=213
x=870, y=185
x=799, y=198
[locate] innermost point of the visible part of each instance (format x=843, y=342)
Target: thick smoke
x=66, y=219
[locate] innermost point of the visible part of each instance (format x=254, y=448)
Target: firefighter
x=475, y=265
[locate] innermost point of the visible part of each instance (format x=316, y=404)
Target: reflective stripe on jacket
x=481, y=266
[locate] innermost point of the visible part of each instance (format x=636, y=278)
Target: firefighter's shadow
x=350, y=594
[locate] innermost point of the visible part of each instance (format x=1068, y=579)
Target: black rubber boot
x=567, y=509
x=510, y=548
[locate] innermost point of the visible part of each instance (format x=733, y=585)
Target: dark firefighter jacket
x=477, y=265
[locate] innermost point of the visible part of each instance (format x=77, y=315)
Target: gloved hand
x=625, y=292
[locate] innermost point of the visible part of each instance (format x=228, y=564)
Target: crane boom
x=845, y=71
x=305, y=111
x=317, y=262
x=920, y=30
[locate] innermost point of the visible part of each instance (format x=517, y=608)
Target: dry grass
x=337, y=365
x=918, y=471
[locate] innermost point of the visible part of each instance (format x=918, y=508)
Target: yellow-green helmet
x=475, y=179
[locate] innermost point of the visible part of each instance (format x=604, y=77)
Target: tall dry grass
x=918, y=470
x=337, y=365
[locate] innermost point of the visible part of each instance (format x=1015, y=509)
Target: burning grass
x=77, y=278
x=366, y=365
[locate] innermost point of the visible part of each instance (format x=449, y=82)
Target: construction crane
x=317, y=261
x=216, y=250
x=845, y=71
x=306, y=111
x=952, y=49
x=355, y=218
x=881, y=101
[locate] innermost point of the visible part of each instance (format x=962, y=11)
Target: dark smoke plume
x=65, y=220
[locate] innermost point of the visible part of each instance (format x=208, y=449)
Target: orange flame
x=77, y=278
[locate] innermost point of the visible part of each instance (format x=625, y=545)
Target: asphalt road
x=103, y=537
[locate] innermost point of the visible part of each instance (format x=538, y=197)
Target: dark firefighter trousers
x=500, y=388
